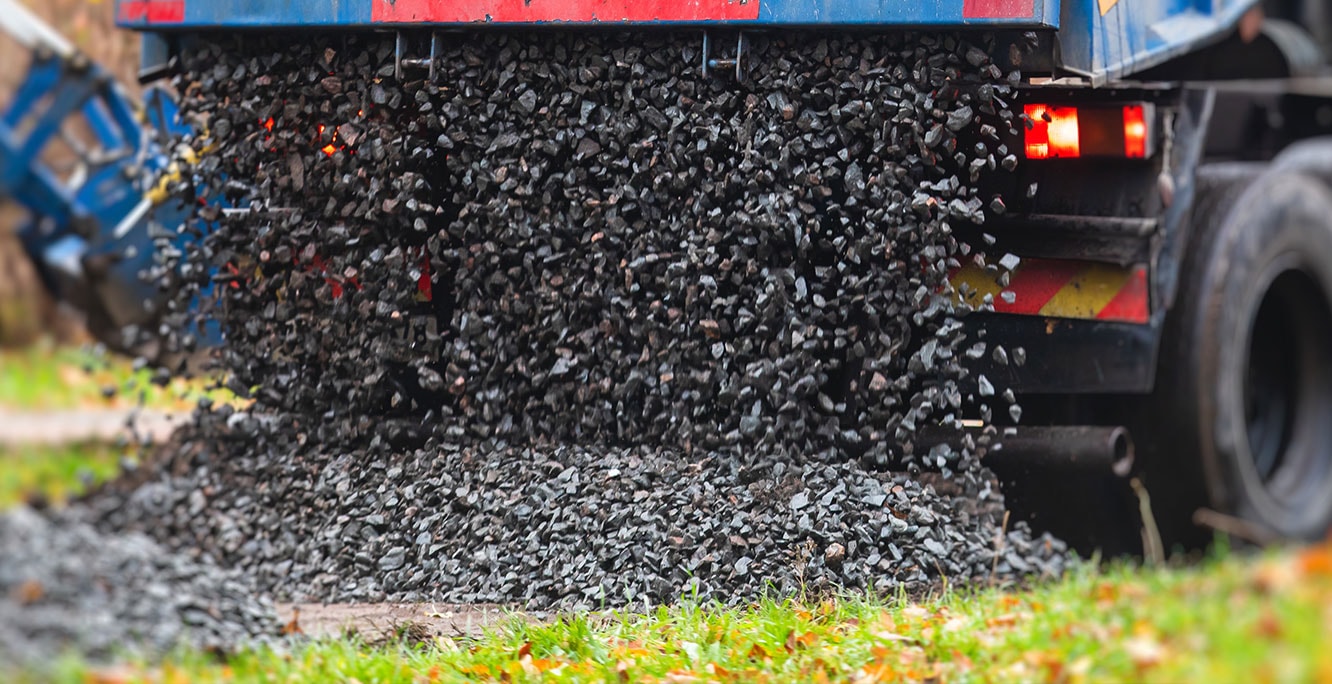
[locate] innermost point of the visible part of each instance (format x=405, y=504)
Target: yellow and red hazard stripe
x=1063, y=288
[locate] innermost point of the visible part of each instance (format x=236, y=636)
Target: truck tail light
x=1073, y=131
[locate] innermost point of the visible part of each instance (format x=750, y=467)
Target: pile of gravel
x=575, y=527
x=64, y=586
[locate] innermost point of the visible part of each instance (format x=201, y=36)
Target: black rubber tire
x=1243, y=417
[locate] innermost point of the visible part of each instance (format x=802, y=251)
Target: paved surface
x=67, y=427
x=380, y=621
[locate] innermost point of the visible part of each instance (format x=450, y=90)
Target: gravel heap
x=65, y=586
x=574, y=527
x=573, y=325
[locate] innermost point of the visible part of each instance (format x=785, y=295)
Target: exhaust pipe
x=1080, y=447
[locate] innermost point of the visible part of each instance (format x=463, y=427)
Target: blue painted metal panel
x=880, y=12
x=1102, y=39
x=1132, y=35
x=258, y=13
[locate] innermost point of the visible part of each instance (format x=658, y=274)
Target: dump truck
x=1166, y=230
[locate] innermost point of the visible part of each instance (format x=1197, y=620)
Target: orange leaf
x=757, y=652
x=525, y=649
x=960, y=661
x=477, y=669
x=718, y=671
x=29, y=592
x=1316, y=561
x=294, y=626
x=1268, y=625
x=535, y=666
x=878, y=671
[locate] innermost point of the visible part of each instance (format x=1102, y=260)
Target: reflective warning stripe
x=1063, y=288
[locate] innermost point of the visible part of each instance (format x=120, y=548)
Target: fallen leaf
x=1145, y=651
x=1268, y=625
x=478, y=669
x=29, y=592
x=534, y=667
x=1274, y=576
x=294, y=625
x=718, y=671
x=875, y=672
x=1316, y=561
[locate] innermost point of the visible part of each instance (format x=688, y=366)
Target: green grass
x=46, y=377
x=56, y=474
x=1235, y=617
x=1232, y=619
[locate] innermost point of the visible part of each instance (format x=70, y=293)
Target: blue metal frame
x=91, y=234
x=772, y=13
x=1101, y=39
x=1132, y=35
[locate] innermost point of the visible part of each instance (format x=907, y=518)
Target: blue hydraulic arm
x=87, y=162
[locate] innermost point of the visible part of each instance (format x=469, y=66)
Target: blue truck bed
x=1100, y=39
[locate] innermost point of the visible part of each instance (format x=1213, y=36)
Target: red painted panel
x=1036, y=283
x=1133, y=303
x=998, y=9
x=525, y=11
x=152, y=11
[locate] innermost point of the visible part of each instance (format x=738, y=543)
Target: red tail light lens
x=1135, y=132
x=1070, y=132
x=1053, y=132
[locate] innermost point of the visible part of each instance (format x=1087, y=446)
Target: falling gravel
x=66, y=587
x=572, y=325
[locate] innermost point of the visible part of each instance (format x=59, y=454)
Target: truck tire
x=1246, y=370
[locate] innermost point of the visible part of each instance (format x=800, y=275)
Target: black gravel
x=575, y=326
x=66, y=587
x=579, y=238
x=575, y=527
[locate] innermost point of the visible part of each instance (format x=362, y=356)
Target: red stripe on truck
x=532, y=11
x=1133, y=303
x=998, y=9
x=1034, y=286
x=152, y=11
